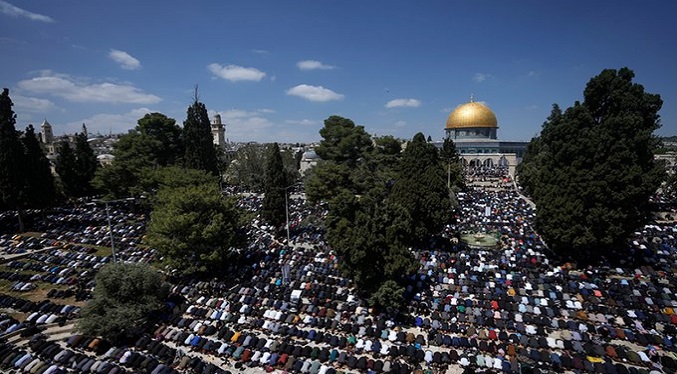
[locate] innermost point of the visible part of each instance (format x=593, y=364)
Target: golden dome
x=471, y=114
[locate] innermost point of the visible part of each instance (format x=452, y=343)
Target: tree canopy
x=342, y=141
x=275, y=189
x=76, y=167
x=194, y=227
x=421, y=189
x=591, y=171
x=200, y=152
x=157, y=141
x=39, y=184
x=11, y=156
x=125, y=294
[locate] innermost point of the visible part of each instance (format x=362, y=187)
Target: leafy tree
x=342, y=141
x=39, y=184
x=124, y=297
x=199, y=143
x=86, y=163
x=248, y=167
x=154, y=179
x=452, y=161
x=165, y=137
x=421, y=189
x=326, y=180
x=194, y=227
x=591, y=171
x=155, y=142
x=65, y=166
x=11, y=157
x=275, y=190
x=371, y=233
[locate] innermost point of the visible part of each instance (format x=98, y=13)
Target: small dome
x=471, y=115
x=310, y=155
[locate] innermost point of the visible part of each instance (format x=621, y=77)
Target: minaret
x=46, y=132
x=219, y=132
x=84, y=130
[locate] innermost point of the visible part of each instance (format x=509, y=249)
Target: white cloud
x=11, y=10
x=303, y=122
x=533, y=74
x=313, y=65
x=246, y=125
x=481, y=77
x=260, y=51
x=531, y=107
x=77, y=91
x=32, y=104
x=125, y=60
x=398, y=103
x=236, y=73
x=400, y=124
x=314, y=93
x=108, y=122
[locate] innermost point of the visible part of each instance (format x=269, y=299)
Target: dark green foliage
x=155, y=142
x=591, y=171
x=124, y=296
x=370, y=234
x=194, y=227
x=76, y=167
x=86, y=163
x=39, y=184
x=421, y=189
x=389, y=296
x=164, y=138
x=326, y=180
x=11, y=156
x=342, y=141
x=275, y=189
x=452, y=165
x=248, y=167
x=65, y=166
x=200, y=152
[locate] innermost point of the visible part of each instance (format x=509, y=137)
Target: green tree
x=342, y=141
x=199, y=143
x=85, y=164
x=65, y=166
x=421, y=189
x=248, y=167
x=275, y=190
x=39, y=188
x=165, y=138
x=11, y=158
x=452, y=165
x=124, y=297
x=371, y=233
x=194, y=227
x=326, y=180
x=155, y=142
x=591, y=171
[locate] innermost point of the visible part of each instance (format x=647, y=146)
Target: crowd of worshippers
x=286, y=307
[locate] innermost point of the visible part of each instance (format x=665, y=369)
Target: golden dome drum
x=472, y=115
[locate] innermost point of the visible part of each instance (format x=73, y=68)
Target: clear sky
x=276, y=69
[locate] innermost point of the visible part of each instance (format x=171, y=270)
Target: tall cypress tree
x=274, y=204
x=39, y=181
x=591, y=171
x=421, y=188
x=11, y=158
x=198, y=140
x=86, y=163
x=65, y=166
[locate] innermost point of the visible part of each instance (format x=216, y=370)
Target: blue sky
x=276, y=69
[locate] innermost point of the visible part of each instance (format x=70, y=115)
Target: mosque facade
x=473, y=128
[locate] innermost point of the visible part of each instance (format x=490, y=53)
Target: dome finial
x=472, y=97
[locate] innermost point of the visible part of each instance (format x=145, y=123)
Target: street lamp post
x=286, y=209
x=110, y=226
